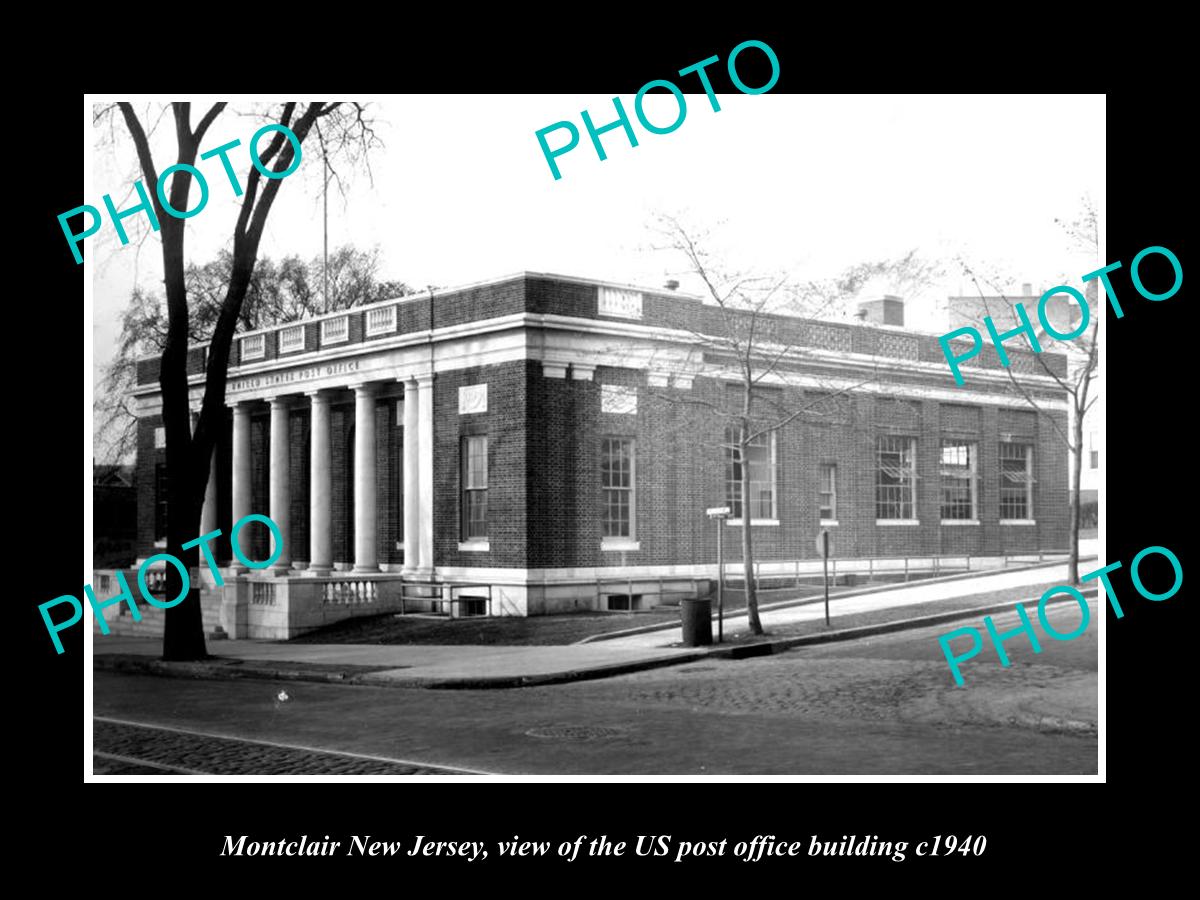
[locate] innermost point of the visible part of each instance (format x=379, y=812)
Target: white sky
x=462, y=193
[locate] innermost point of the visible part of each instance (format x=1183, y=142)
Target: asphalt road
x=884, y=705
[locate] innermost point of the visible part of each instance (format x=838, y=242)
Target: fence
x=663, y=587
x=871, y=568
x=443, y=596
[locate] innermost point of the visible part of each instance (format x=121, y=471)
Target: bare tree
x=279, y=292
x=1082, y=359
x=746, y=334
x=340, y=127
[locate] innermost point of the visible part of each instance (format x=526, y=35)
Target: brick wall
x=507, y=474
x=544, y=443
x=680, y=471
x=663, y=308
x=147, y=459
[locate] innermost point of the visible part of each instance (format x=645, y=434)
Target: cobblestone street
x=117, y=745
x=886, y=704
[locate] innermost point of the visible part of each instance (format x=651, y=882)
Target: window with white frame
x=254, y=346
x=335, y=331
x=1016, y=482
x=896, y=478
x=959, y=471
x=828, y=492
x=381, y=320
x=474, y=487
x=760, y=464
x=616, y=488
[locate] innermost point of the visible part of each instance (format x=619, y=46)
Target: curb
x=216, y=671
x=805, y=601
x=519, y=681
x=220, y=672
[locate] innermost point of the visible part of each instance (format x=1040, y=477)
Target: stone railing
x=278, y=608
x=348, y=592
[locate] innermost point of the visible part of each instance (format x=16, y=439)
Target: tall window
x=959, y=470
x=828, y=498
x=1016, y=481
x=616, y=487
x=760, y=461
x=896, y=477
x=474, y=487
x=160, y=501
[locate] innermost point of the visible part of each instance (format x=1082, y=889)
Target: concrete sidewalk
x=491, y=666
x=886, y=598
x=393, y=665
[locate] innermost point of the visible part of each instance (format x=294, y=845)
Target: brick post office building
x=541, y=443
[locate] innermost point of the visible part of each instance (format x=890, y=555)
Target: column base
x=318, y=570
x=425, y=574
x=374, y=569
x=280, y=569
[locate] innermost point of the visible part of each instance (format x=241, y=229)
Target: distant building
x=114, y=515
x=539, y=443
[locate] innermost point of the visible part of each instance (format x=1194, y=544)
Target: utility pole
x=325, y=266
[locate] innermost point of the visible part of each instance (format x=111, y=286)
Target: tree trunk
x=747, y=542
x=183, y=628
x=1076, y=500
x=183, y=632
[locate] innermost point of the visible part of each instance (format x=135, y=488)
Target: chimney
x=888, y=310
x=1026, y=289
x=672, y=285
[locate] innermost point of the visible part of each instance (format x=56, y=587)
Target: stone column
x=412, y=498
x=281, y=493
x=425, y=474
x=365, y=556
x=320, y=510
x=241, y=468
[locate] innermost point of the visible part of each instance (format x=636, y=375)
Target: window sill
x=897, y=521
x=960, y=521
x=1018, y=521
x=161, y=542
x=399, y=545
x=621, y=544
x=828, y=523
x=476, y=546
x=753, y=522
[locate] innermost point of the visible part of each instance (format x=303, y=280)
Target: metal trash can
x=697, y=622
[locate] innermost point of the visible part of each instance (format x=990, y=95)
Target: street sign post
x=824, y=543
x=720, y=513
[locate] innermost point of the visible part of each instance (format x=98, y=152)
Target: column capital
x=280, y=401
x=322, y=394
x=239, y=406
x=423, y=380
x=364, y=388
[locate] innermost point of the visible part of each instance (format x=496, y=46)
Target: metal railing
x=443, y=595
x=657, y=582
x=928, y=566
